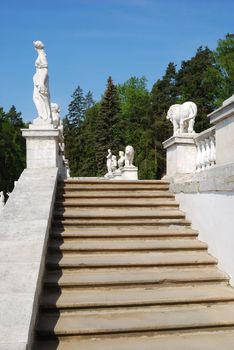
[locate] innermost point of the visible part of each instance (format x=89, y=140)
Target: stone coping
x=225, y=111
x=179, y=139
x=24, y=227
x=205, y=134
x=40, y=132
x=216, y=179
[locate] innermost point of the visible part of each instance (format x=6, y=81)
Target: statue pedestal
x=42, y=147
x=130, y=173
x=181, y=154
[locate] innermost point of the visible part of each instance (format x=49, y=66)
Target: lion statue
x=182, y=117
x=129, y=156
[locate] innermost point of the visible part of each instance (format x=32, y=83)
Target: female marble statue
x=41, y=94
x=109, y=161
x=121, y=159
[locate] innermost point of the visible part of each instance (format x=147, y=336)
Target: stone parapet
x=223, y=119
x=24, y=227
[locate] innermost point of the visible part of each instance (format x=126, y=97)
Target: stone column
x=223, y=119
x=42, y=147
x=181, y=154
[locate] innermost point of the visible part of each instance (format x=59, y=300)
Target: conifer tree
x=163, y=95
x=108, y=131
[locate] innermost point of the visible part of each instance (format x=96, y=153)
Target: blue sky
x=88, y=40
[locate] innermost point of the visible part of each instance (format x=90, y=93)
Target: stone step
x=137, y=319
x=135, y=296
x=125, y=231
x=119, y=244
x=117, y=186
x=91, y=277
x=119, y=213
x=116, y=194
x=117, y=202
x=118, y=221
x=112, y=182
x=133, y=259
x=208, y=339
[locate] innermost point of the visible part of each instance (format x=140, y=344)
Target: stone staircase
x=126, y=271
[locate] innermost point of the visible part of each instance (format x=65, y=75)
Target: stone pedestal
x=130, y=173
x=223, y=119
x=181, y=154
x=42, y=147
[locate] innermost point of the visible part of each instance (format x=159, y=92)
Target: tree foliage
x=12, y=148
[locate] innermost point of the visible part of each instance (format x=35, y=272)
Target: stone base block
x=130, y=173
x=181, y=154
x=42, y=147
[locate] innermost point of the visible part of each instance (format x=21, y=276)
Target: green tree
x=199, y=80
x=12, y=148
x=163, y=95
x=108, y=129
x=136, y=124
x=224, y=56
x=73, y=126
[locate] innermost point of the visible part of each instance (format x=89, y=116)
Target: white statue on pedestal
x=41, y=94
x=113, y=164
x=56, y=119
x=182, y=117
x=121, y=159
x=109, y=162
x=129, y=156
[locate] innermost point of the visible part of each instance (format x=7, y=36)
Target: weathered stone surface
x=24, y=226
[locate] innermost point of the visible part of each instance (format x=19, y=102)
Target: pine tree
x=76, y=108
x=108, y=131
x=74, y=139
x=163, y=95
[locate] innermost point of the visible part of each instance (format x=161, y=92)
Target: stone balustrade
x=206, y=149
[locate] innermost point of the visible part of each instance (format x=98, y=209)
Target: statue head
x=129, y=150
x=38, y=45
x=121, y=153
x=55, y=108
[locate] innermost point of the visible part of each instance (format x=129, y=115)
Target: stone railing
x=206, y=149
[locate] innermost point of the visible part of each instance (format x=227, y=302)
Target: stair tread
x=119, y=212
x=202, y=340
x=126, y=231
x=133, y=259
x=74, y=298
x=137, y=319
x=118, y=276
x=112, y=202
x=126, y=244
x=115, y=194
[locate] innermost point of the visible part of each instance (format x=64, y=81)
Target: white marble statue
x=41, y=93
x=109, y=162
x=113, y=164
x=129, y=156
x=56, y=119
x=182, y=117
x=121, y=159
x=2, y=200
